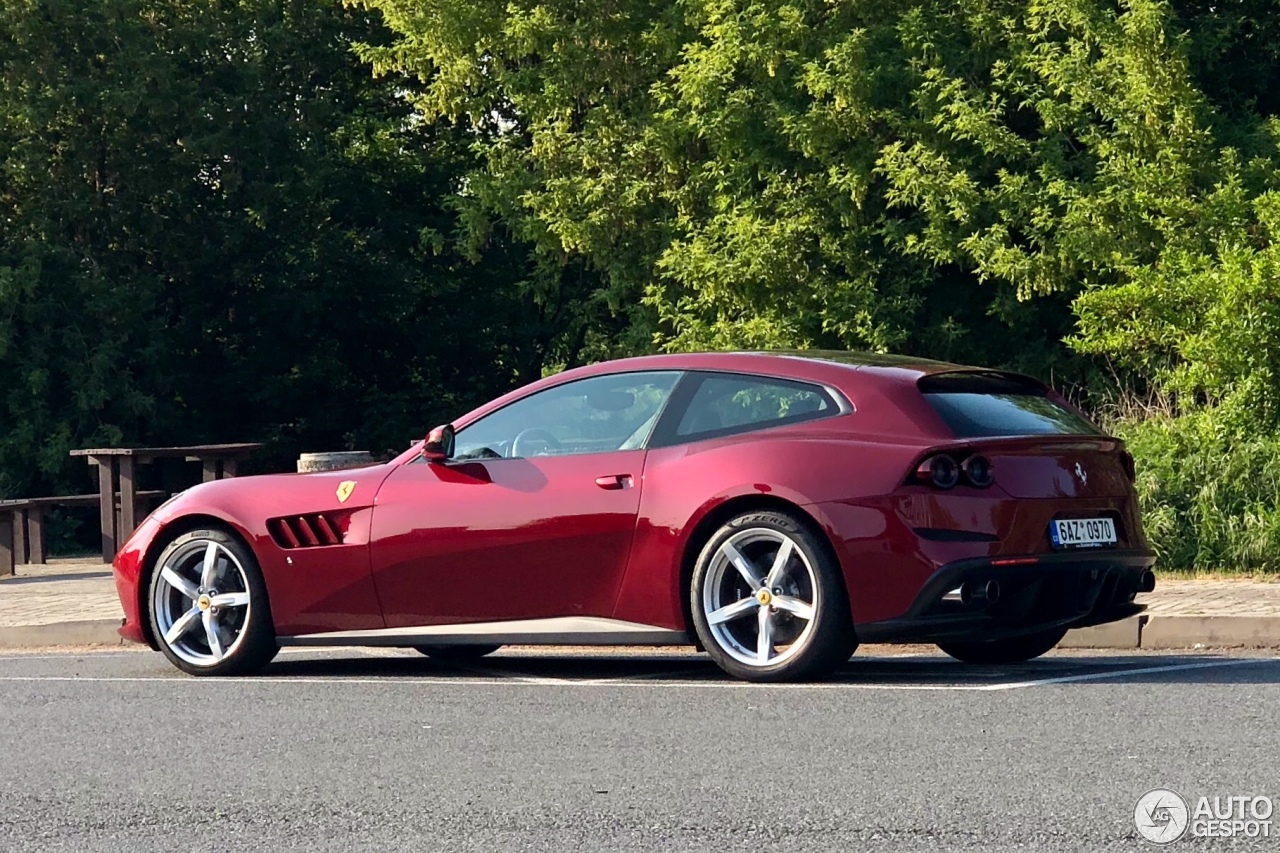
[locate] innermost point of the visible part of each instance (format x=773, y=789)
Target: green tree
x=215, y=225
x=939, y=178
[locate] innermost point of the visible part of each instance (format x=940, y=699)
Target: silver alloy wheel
x=763, y=574
x=202, y=602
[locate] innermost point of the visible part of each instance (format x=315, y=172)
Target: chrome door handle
x=614, y=481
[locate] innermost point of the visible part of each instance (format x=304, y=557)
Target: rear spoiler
x=981, y=381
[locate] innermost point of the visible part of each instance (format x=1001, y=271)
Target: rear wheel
x=209, y=609
x=1009, y=650
x=457, y=654
x=768, y=601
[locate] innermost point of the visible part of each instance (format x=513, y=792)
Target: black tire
x=457, y=654
x=250, y=639
x=1009, y=650
x=827, y=641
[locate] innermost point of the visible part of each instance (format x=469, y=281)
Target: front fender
x=310, y=588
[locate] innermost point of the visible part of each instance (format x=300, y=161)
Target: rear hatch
x=1039, y=468
x=1077, y=483
x=1038, y=443
x=1040, y=446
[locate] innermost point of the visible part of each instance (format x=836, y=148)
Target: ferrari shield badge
x=345, y=488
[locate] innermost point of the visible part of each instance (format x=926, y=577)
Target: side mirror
x=439, y=444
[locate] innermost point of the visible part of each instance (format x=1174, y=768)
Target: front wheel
x=768, y=600
x=209, y=609
x=1009, y=650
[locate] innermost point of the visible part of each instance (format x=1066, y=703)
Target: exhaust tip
x=974, y=593
x=1148, y=581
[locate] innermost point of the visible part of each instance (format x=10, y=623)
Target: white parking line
x=283, y=680
x=1124, y=673
x=480, y=675
x=513, y=679
x=254, y=679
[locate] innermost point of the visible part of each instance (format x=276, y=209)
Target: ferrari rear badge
x=345, y=488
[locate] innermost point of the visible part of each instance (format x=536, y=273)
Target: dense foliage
x=216, y=225
x=327, y=225
x=1208, y=498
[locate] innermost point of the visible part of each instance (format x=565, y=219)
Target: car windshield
x=980, y=405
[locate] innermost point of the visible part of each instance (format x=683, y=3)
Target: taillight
x=1130, y=469
x=939, y=471
x=977, y=470
x=942, y=471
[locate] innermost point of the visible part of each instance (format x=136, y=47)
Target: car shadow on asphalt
x=905, y=672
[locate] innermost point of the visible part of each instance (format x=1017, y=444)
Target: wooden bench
x=117, y=474
x=22, y=525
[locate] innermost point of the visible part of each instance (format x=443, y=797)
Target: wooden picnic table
x=117, y=471
x=22, y=525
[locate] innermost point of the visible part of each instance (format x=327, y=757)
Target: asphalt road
x=389, y=751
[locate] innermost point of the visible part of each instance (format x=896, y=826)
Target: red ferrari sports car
x=774, y=509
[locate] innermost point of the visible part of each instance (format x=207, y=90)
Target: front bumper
x=1068, y=589
x=128, y=569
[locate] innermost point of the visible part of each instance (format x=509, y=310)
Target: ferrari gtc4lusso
x=773, y=509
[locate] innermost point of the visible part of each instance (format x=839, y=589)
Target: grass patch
x=1215, y=575
x=1210, y=500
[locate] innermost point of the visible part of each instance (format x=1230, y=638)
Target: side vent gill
x=305, y=531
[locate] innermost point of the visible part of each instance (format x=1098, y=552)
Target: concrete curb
x=1182, y=632
x=1154, y=631
x=91, y=632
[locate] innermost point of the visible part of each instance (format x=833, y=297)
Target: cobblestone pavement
x=1213, y=598
x=82, y=590
x=62, y=591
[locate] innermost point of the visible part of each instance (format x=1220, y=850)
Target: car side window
x=723, y=405
x=596, y=415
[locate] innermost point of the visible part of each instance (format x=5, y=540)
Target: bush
x=1210, y=499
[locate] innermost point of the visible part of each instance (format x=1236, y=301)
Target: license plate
x=1082, y=532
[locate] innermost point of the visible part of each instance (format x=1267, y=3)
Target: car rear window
x=978, y=405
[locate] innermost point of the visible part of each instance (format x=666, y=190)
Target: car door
x=533, y=517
